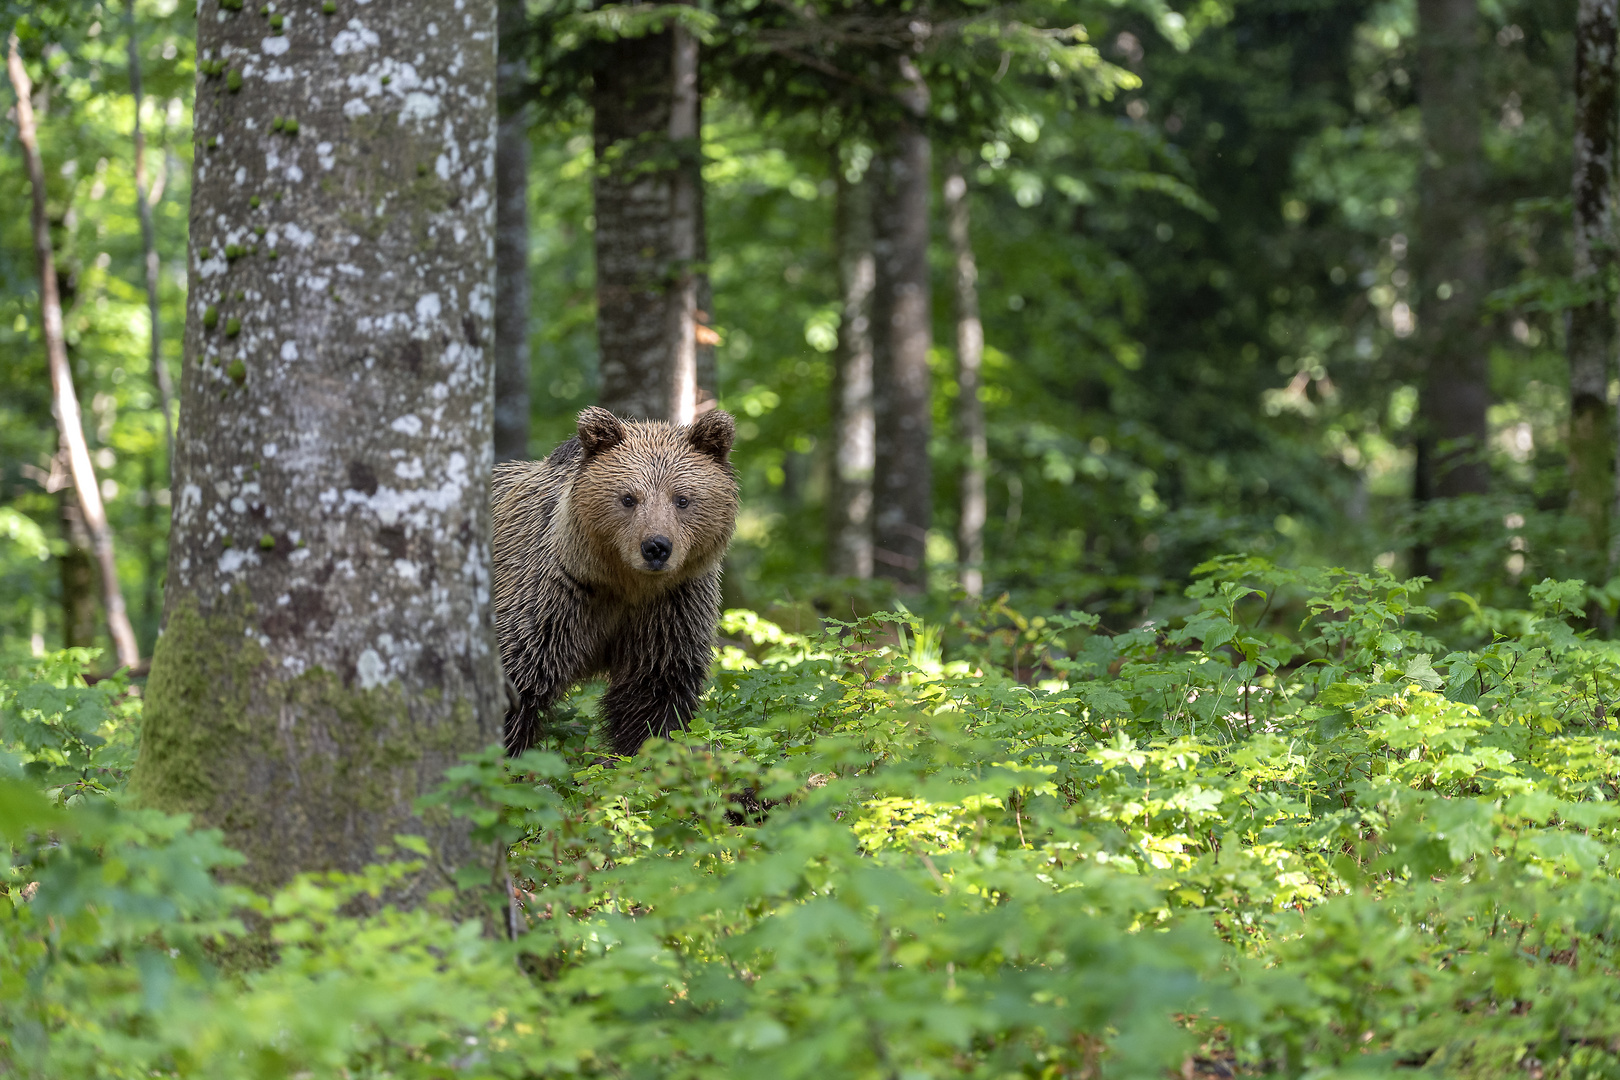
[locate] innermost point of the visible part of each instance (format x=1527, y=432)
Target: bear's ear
x=599, y=430
x=713, y=433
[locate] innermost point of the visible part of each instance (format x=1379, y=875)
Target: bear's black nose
x=656, y=551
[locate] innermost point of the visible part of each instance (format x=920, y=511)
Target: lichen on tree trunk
x=328, y=646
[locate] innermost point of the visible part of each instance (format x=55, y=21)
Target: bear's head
x=657, y=502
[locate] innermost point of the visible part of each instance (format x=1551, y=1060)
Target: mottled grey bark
x=901, y=335
x=649, y=220
x=328, y=645
x=149, y=255
x=64, y=398
x=511, y=240
x=969, y=364
x=1592, y=323
x=1450, y=254
x=849, y=501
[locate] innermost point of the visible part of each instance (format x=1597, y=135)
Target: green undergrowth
x=1203, y=848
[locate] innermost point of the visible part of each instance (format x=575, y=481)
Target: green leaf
x=1342, y=693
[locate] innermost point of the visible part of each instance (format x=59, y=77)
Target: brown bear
x=607, y=559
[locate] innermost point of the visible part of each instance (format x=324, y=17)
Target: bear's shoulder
x=512, y=477
x=517, y=478
x=566, y=454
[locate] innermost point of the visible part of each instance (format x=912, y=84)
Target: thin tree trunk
x=901, y=335
x=849, y=504
x=78, y=578
x=169, y=165
x=328, y=648
x=65, y=398
x=708, y=373
x=1450, y=254
x=969, y=362
x=152, y=573
x=511, y=241
x=160, y=370
x=1592, y=324
x=685, y=195
x=649, y=219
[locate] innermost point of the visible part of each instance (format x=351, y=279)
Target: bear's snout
x=656, y=551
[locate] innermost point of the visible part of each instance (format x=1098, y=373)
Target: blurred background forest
x=1200, y=269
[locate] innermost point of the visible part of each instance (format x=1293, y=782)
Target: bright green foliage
x=1344, y=848
x=1196, y=259
x=76, y=55
x=76, y=740
x=1196, y=296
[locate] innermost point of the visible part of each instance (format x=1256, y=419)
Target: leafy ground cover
x=1291, y=832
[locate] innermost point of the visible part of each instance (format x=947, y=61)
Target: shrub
x=1047, y=850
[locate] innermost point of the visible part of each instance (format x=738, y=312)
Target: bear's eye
x=628, y=501
x=682, y=502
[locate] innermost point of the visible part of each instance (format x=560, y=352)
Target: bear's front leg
x=660, y=663
x=522, y=728
x=543, y=656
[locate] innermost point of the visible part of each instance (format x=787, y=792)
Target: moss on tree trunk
x=328, y=647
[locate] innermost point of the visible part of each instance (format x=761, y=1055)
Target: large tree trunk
x=64, y=398
x=143, y=207
x=849, y=502
x=328, y=646
x=649, y=222
x=901, y=335
x=1592, y=324
x=1450, y=254
x=969, y=362
x=512, y=241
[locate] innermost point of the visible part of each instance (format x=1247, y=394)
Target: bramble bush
x=1291, y=832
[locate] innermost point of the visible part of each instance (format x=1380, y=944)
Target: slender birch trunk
x=65, y=398
x=651, y=326
x=849, y=503
x=328, y=646
x=969, y=362
x=685, y=195
x=902, y=333
x=708, y=371
x=512, y=374
x=143, y=206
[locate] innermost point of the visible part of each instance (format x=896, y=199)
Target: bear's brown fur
x=607, y=559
